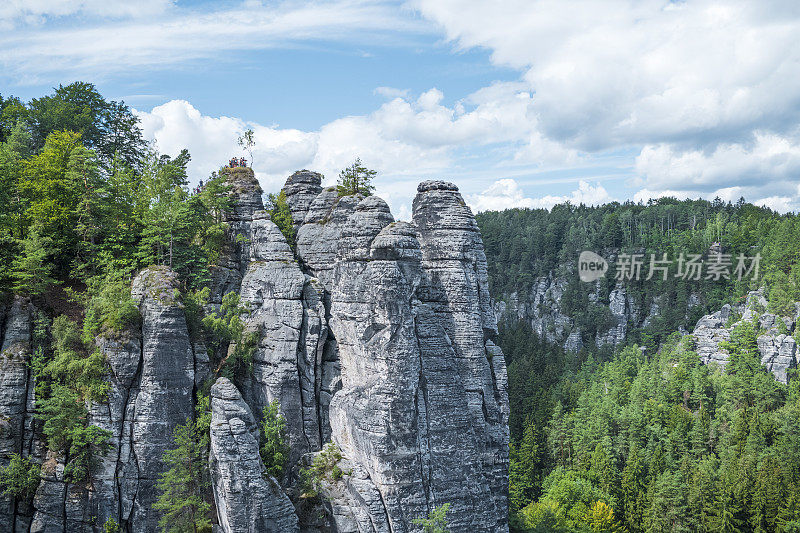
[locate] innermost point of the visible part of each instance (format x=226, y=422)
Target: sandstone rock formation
x=376, y=337
x=778, y=348
x=248, y=500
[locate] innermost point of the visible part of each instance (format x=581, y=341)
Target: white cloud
x=707, y=90
x=212, y=141
x=16, y=12
x=506, y=193
x=782, y=204
x=767, y=157
x=404, y=138
x=97, y=49
x=607, y=74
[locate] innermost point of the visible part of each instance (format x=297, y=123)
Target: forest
x=646, y=438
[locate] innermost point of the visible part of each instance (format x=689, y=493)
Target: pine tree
x=436, y=521
x=182, y=486
x=32, y=271
x=356, y=179
x=274, y=449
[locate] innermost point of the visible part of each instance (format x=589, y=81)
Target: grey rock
x=778, y=350
x=455, y=286
x=16, y=396
x=301, y=188
x=248, y=500
x=287, y=313
x=166, y=382
x=778, y=354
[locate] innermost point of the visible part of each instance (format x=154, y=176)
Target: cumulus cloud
x=506, y=193
x=403, y=138
x=212, y=141
x=619, y=72
x=767, y=157
x=706, y=89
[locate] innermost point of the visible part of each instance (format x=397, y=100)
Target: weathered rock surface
x=151, y=381
x=778, y=348
x=456, y=287
x=247, y=499
x=301, y=189
x=288, y=314
x=16, y=399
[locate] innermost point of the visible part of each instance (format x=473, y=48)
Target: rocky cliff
x=376, y=337
x=776, y=344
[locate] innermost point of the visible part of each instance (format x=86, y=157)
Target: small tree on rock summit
x=356, y=179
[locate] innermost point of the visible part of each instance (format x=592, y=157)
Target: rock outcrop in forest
x=375, y=336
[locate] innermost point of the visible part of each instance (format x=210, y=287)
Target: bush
x=436, y=521
x=73, y=365
x=20, y=477
x=274, y=449
x=226, y=328
x=281, y=215
x=325, y=467
x=111, y=307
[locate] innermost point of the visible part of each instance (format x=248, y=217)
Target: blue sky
x=521, y=103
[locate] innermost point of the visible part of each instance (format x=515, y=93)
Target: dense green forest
x=85, y=204
x=523, y=244
x=658, y=442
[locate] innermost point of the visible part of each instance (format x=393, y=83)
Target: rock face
x=151, y=381
x=16, y=400
x=288, y=314
x=301, y=189
x=376, y=337
x=247, y=499
x=541, y=307
x=421, y=417
x=778, y=348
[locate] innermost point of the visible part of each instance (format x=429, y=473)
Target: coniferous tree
x=32, y=270
x=274, y=447
x=356, y=179
x=182, y=486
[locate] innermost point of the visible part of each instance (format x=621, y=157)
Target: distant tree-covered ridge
x=523, y=245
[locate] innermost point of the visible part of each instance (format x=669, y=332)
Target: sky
x=520, y=103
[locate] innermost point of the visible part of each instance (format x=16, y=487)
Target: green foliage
x=111, y=308
x=525, y=244
x=110, y=526
x=20, y=478
x=356, y=179
x=274, y=446
x=665, y=443
x=436, y=521
x=87, y=443
x=75, y=365
x=225, y=331
x=323, y=469
x=182, y=487
x=279, y=213
x=108, y=127
x=32, y=270
x=247, y=142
